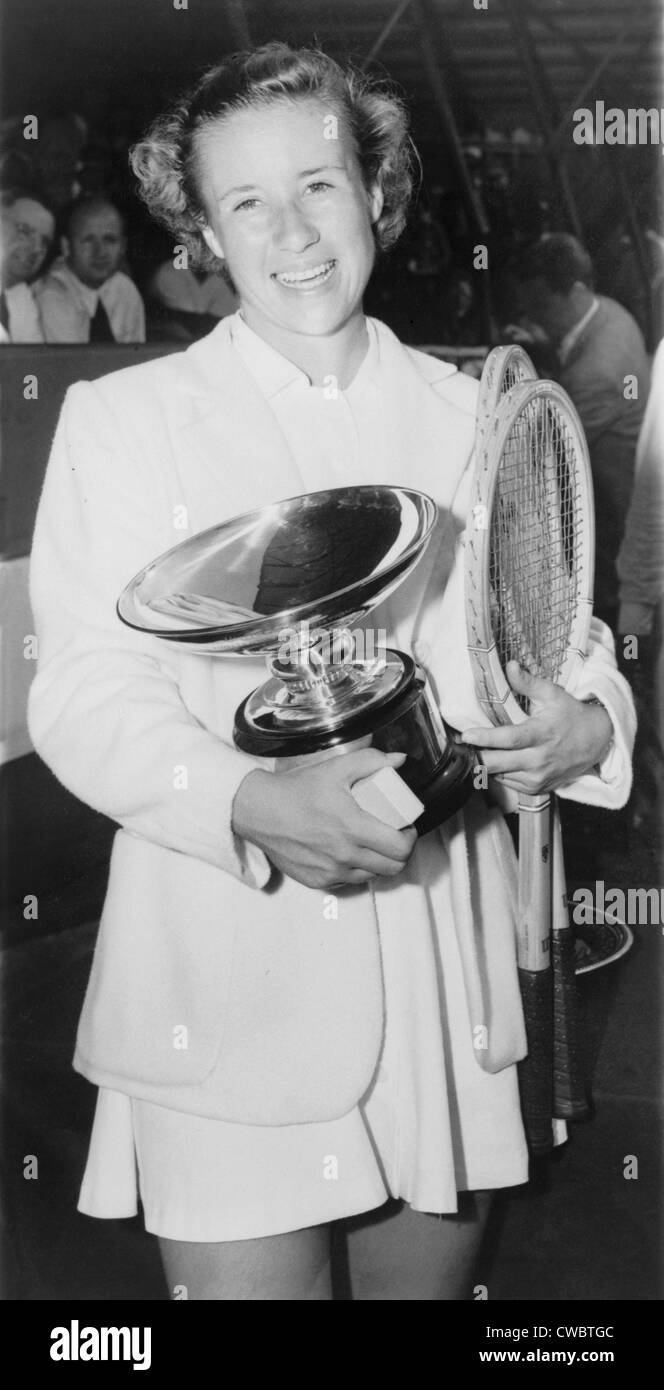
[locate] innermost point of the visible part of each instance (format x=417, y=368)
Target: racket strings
x=536, y=542
x=515, y=372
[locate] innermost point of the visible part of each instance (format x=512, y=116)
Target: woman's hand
x=560, y=740
x=310, y=826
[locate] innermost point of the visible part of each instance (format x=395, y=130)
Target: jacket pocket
x=158, y=990
x=210, y=998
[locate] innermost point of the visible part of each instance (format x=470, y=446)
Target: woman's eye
x=318, y=186
x=247, y=203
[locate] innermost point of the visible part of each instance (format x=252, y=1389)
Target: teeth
x=298, y=276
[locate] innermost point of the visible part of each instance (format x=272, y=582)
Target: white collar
x=88, y=297
x=568, y=342
x=273, y=372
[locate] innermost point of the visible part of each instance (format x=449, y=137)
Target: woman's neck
x=339, y=355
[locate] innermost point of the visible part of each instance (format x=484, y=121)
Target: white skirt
x=433, y=1123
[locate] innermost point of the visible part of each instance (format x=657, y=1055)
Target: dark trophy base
x=406, y=721
x=447, y=791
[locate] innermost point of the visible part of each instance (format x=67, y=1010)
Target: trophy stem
x=320, y=669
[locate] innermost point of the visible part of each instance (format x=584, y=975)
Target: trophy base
x=447, y=791
x=406, y=721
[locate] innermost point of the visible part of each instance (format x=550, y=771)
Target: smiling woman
x=331, y=164
x=297, y=1014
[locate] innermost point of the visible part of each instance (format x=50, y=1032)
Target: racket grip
x=570, y=1099
x=536, y=1070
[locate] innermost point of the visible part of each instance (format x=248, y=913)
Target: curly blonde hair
x=166, y=163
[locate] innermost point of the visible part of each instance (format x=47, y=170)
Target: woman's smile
x=306, y=279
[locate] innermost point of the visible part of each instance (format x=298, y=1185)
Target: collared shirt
x=68, y=306
x=571, y=338
x=24, y=325
x=335, y=436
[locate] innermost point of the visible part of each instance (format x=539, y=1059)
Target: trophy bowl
x=292, y=581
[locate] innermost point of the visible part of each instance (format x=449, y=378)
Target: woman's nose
x=295, y=231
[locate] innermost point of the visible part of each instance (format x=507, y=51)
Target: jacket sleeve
x=105, y=713
x=611, y=783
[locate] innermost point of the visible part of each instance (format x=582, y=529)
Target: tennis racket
x=504, y=368
x=529, y=567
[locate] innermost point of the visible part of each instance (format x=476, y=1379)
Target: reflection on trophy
x=292, y=581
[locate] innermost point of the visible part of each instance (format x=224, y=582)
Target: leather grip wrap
x=536, y=1070
x=570, y=1101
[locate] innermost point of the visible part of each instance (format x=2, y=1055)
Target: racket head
x=505, y=367
x=529, y=546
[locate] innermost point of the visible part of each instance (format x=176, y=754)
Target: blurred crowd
x=79, y=259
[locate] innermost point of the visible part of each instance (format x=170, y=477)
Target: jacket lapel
x=431, y=437
x=431, y=442
x=231, y=455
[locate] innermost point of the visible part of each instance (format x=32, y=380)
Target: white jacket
x=282, y=1008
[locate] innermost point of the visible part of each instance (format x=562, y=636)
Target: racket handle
x=570, y=1099
x=536, y=1070
x=534, y=963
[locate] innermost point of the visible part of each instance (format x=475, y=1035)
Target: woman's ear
x=212, y=242
x=376, y=201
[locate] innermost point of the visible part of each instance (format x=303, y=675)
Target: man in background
x=598, y=355
x=27, y=229
x=86, y=297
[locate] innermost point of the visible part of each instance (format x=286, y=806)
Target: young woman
x=276, y=1057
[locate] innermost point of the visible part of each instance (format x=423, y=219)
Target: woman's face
x=289, y=213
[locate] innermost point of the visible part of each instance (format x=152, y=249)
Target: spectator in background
x=597, y=353
x=192, y=291
x=461, y=323
x=27, y=232
x=618, y=264
x=189, y=302
x=86, y=298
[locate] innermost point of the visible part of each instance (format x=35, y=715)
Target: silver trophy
x=294, y=582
